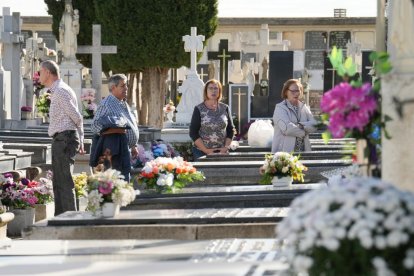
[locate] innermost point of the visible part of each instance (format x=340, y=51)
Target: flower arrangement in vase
x=169, y=109
x=108, y=187
x=80, y=180
x=279, y=165
x=355, y=226
x=89, y=107
x=162, y=149
x=168, y=175
x=43, y=103
x=17, y=194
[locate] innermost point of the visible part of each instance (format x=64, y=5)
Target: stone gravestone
x=11, y=39
x=239, y=104
x=5, y=94
x=192, y=87
x=97, y=50
x=280, y=70
x=224, y=56
x=339, y=39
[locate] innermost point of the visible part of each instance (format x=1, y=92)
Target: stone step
x=222, y=197
x=42, y=153
x=186, y=224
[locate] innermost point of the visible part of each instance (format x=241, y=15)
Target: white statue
x=68, y=30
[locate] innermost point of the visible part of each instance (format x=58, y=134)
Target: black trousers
x=65, y=145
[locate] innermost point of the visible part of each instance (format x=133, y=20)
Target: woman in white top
x=292, y=120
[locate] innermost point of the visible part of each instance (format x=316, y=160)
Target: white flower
x=234, y=145
x=302, y=263
x=165, y=179
x=285, y=169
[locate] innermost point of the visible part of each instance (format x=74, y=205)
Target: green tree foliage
x=148, y=35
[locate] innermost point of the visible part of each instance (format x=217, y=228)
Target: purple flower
x=25, y=181
x=105, y=188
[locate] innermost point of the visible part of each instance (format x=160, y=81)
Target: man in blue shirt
x=115, y=128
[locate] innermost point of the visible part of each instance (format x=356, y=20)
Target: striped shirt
x=112, y=106
x=64, y=113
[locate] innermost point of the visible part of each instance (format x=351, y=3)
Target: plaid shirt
x=64, y=113
x=111, y=106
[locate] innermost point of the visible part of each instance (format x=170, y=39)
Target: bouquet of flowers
x=162, y=149
x=37, y=86
x=89, y=107
x=281, y=164
x=80, y=180
x=43, y=103
x=169, y=174
x=143, y=157
x=108, y=186
x=17, y=195
x=43, y=189
x=169, y=107
x=355, y=226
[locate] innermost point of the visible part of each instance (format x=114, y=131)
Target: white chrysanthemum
x=165, y=179
x=302, y=263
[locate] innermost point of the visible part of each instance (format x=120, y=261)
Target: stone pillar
x=398, y=98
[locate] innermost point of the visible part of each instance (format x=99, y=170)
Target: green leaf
x=350, y=67
x=326, y=136
x=387, y=118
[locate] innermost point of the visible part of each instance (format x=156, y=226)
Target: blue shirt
x=111, y=106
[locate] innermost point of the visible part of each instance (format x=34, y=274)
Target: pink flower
x=105, y=188
x=349, y=108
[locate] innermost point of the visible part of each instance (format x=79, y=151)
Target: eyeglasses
x=294, y=91
x=212, y=88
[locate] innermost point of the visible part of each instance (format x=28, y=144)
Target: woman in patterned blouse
x=292, y=120
x=211, y=127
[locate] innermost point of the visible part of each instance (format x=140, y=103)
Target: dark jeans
x=65, y=145
x=197, y=153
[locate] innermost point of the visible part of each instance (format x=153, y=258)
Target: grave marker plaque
x=202, y=71
x=339, y=39
x=314, y=60
x=315, y=40
x=48, y=38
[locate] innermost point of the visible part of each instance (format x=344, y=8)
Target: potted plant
x=108, y=191
x=281, y=169
x=355, y=226
x=81, y=180
x=26, y=112
x=43, y=190
x=168, y=175
x=20, y=199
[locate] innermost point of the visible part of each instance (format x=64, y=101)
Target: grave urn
x=22, y=219
x=26, y=115
x=110, y=209
x=284, y=181
x=44, y=211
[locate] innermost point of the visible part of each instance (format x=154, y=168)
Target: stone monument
x=11, y=38
x=70, y=68
x=192, y=87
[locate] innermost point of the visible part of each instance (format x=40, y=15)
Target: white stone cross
x=193, y=44
x=11, y=38
x=97, y=50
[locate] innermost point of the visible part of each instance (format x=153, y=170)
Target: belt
x=114, y=131
x=62, y=132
